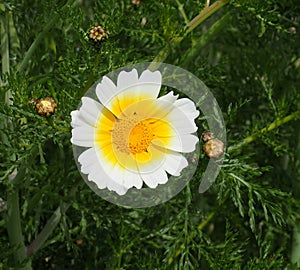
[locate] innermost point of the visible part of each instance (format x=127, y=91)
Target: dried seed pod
x=97, y=34
x=45, y=106
x=213, y=148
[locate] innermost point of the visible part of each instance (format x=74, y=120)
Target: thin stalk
x=5, y=68
x=36, y=43
x=47, y=230
x=5, y=43
x=204, y=14
x=211, y=33
x=273, y=125
x=91, y=78
x=181, y=10
x=51, y=224
x=295, y=254
x=14, y=230
x=206, y=221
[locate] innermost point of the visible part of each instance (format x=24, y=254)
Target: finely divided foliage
x=246, y=52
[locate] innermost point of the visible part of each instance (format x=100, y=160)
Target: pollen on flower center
x=131, y=135
x=140, y=137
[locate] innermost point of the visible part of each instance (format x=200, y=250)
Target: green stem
x=273, y=125
x=204, y=14
x=91, y=78
x=206, y=221
x=51, y=122
x=14, y=230
x=5, y=68
x=51, y=224
x=295, y=255
x=211, y=33
x=181, y=10
x=5, y=43
x=47, y=230
x=36, y=43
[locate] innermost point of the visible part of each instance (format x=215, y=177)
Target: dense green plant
x=245, y=51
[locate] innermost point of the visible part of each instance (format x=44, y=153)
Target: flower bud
x=213, y=148
x=97, y=34
x=45, y=106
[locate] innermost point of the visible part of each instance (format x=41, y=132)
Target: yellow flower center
x=130, y=135
x=133, y=132
x=140, y=137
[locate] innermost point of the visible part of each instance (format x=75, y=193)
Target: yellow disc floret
x=131, y=135
x=140, y=137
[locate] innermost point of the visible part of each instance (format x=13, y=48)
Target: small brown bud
x=97, y=34
x=45, y=106
x=79, y=241
x=213, y=148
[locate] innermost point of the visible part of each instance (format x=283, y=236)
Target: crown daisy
x=134, y=137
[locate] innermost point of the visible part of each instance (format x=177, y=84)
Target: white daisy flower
x=133, y=136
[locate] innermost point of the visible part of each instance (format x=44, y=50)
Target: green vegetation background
x=246, y=51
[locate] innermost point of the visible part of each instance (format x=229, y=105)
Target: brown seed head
x=213, y=148
x=45, y=106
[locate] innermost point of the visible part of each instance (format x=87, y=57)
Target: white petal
x=184, y=143
x=83, y=136
x=127, y=79
x=90, y=164
x=98, y=176
x=87, y=160
x=174, y=163
x=170, y=97
x=187, y=107
x=181, y=122
x=147, y=87
x=132, y=179
x=126, y=178
x=151, y=83
x=154, y=178
x=115, y=185
x=77, y=121
x=106, y=91
x=163, y=106
x=89, y=110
